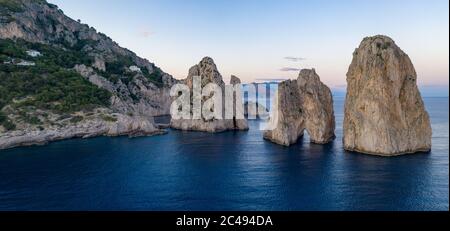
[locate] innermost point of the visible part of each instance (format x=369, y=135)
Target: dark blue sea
x=226, y=171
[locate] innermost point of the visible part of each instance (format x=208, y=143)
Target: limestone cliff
x=42, y=22
x=384, y=112
x=82, y=72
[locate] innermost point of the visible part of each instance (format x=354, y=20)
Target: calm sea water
x=226, y=171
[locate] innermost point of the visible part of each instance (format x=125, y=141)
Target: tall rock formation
x=305, y=103
x=238, y=105
x=208, y=72
x=384, y=112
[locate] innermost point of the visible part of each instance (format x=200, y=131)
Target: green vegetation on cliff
x=49, y=88
x=5, y=122
x=155, y=77
x=119, y=69
x=10, y=5
x=49, y=84
x=47, y=63
x=7, y=7
x=51, y=56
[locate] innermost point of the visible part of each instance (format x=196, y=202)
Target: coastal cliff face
x=302, y=104
x=384, y=112
x=208, y=72
x=56, y=68
x=138, y=97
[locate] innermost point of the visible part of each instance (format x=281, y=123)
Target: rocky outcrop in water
x=384, y=112
x=208, y=72
x=238, y=104
x=115, y=125
x=302, y=104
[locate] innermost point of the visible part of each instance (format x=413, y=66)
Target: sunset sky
x=256, y=39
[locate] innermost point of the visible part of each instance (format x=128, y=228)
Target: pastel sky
x=258, y=39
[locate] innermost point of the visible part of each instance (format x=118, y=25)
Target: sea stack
x=238, y=104
x=304, y=103
x=384, y=112
x=208, y=72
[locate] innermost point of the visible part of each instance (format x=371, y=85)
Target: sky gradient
x=272, y=39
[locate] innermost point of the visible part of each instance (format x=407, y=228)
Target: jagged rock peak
x=208, y=72
x=308, y=75
x=234, y=80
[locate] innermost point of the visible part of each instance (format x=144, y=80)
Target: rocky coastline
x=123, y=126
x=55, y=44
x=384, y=111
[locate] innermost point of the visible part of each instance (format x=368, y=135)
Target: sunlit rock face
x=208, y=72
x=302, y=104
x=384, y=112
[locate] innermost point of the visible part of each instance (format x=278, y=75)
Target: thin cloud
x=145, y=33
x=290, y=69
x=271, y=79
x=294, y=59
